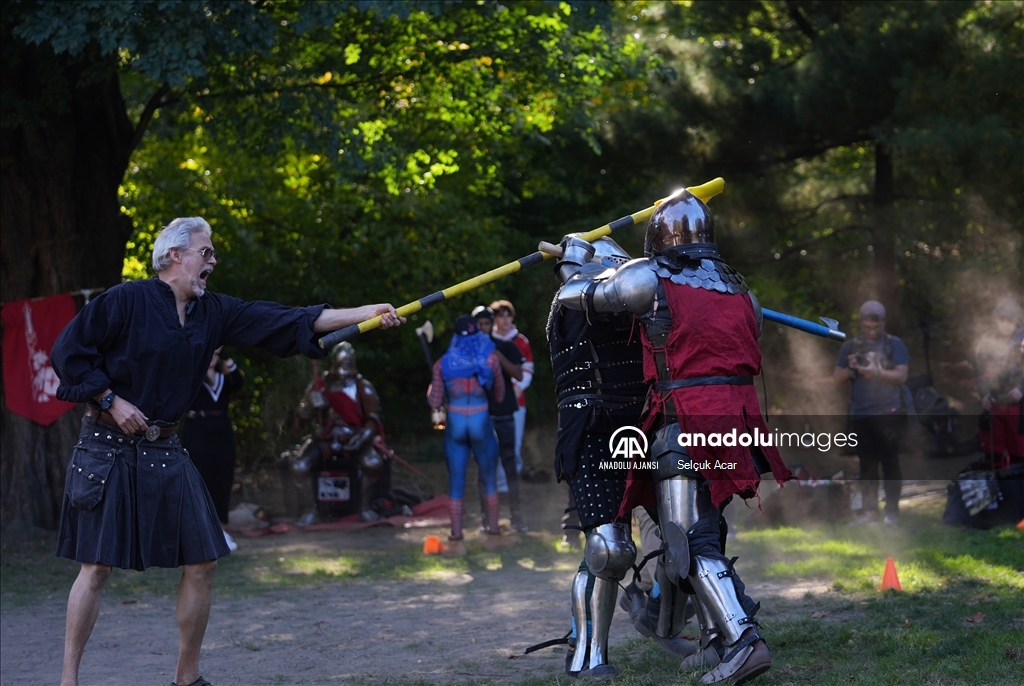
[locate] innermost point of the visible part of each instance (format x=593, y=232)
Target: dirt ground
x=453, y=627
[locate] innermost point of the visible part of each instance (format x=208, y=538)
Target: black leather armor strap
x=704, y=381
x=613, y=402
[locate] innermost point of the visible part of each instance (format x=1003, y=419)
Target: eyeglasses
x=206, y=253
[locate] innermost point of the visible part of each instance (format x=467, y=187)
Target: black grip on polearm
x=338, y=336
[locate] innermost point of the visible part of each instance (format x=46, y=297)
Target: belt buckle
x=152, y=433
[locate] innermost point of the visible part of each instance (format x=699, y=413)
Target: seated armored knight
x=347, y=454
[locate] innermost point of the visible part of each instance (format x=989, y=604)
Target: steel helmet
x=682, y=219
x=343, y=360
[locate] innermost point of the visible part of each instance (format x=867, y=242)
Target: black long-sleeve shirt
x=130, y=340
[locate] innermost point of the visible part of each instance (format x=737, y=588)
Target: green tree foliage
x=872, y=148
x=348, y=152
x=343, y=152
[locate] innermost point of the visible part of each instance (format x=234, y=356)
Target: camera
x=862, y=359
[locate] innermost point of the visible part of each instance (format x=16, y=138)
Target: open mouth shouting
x=204, y=273
x=199, y=281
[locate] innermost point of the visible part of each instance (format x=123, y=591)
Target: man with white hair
x=137, y=355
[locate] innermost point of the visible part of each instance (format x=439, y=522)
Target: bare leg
x=83, y=609
x=193, y=612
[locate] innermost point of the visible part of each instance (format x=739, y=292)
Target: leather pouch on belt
x=88, y=472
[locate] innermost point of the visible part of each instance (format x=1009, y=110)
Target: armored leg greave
x=714, y=586
x=304, y=460
x=671, y=606
x=602, y=607
x=367, y=489
x=609, y=554
x=371, y=469
x=708, y=629
x=579, y=620
x=731, y=646
x=710, y=652
x=592, y=634
x=694, y=561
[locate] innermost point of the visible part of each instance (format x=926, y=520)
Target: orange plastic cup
x=433, y=546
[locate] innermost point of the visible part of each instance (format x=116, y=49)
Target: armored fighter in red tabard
x=701, y=326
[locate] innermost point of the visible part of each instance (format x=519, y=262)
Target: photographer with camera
x=876, y=364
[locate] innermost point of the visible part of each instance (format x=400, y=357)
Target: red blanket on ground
x=433, y=512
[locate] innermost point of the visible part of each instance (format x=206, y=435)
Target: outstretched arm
x=334, y=319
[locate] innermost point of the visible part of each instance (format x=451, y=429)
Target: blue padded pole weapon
x=830, y=330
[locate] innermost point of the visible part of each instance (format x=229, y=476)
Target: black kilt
x=133, y=503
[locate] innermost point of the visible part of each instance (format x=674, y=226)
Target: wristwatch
x=107, y=401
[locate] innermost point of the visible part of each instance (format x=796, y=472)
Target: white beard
x=197, y=290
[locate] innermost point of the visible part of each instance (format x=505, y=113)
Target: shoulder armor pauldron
x=708, y=274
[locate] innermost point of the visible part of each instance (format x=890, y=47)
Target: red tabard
x=350, y=411
x=713, y=334
x=30, y=329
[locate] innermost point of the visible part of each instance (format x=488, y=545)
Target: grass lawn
x=958, y=620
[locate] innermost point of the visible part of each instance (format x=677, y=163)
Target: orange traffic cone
x=1020, y=524
x=433, y=546
x=889, y=579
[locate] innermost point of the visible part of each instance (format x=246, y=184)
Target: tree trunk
x=61, y=229
x=886, y=281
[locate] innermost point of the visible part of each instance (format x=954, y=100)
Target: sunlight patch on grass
x=562, y=547
x=1009, y=535
x=948, y=567
x=833, y=548
x=490, y=563
x=927, y=556
x=301, y=570
x=337, y=567
x=449, y=576
x=419, y=565
x=813, y=568
x=777, y=537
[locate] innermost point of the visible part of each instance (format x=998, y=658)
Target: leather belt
x=704, y=381
x=154, y=432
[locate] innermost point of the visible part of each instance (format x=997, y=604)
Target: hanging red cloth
x=30, y=329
